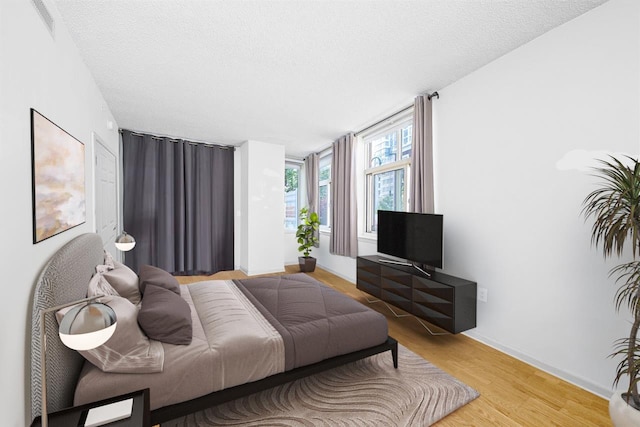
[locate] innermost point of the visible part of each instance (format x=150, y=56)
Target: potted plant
x=615, y=207
x=307, y=239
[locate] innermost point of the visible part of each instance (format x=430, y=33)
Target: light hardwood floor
x=512, y=393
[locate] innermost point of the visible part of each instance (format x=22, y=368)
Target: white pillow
x=108, y=260
x=128, y=350
x=124, y=281
x=100, y=286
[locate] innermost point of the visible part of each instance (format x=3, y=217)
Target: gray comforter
x=315, y=321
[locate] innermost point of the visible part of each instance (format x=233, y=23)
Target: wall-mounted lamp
x=125, y=242
x=86, y=326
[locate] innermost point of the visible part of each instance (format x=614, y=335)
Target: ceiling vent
x=45, y=15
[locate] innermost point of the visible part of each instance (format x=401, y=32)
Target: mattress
x=244, y=331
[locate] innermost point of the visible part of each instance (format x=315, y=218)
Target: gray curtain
x=344, y=216
x=178, y=204
x=311, y=175
x=421, y=197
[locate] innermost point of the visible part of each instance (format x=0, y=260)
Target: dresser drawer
x=432, y=316
x=397, y=300
x=433, y=288
x=370, y=266
x=433, y=302
x=396, y=288
x=367, y=287
x=367, y=276
x=397, y=276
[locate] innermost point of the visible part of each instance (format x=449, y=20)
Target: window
x=291, y=196
x=324, y=190
x=387, y=166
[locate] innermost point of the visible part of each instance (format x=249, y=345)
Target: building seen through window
x=291, y=196
x=388, y=161
x=324, y=190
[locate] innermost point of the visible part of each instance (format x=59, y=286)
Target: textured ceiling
x=298, y=73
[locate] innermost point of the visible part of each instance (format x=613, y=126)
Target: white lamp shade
x=87, y=326
x=125, y=242
x=125, y=246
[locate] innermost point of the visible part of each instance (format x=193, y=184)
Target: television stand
x=445, y=301
x=406, y=264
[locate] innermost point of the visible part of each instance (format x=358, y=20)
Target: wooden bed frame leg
x=394, y=354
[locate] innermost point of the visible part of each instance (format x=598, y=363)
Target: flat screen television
x=415, y=237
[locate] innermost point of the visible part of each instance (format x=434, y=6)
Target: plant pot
x=622, y=414
x=307, y=264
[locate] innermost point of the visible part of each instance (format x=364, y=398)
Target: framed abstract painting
x=58, y=177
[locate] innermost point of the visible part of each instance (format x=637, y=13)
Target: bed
x=247, y=335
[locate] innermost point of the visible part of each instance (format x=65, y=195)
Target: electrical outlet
x=482, y=294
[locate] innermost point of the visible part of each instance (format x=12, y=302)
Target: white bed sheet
x=232, y=344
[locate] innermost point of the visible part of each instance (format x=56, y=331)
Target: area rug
x=368, y=392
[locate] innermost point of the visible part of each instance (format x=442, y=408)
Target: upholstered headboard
x=64, y=279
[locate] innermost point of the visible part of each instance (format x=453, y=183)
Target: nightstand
x=76, y=416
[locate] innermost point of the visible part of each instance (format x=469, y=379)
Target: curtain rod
x=407, y=108
x=171, y=139
x=383, y=120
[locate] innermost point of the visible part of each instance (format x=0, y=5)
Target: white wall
x=291, y=253
x=262, y=208
x=343, y=266
x=512, y=219
x=45, y=73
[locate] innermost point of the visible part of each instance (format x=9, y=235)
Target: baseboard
x=563, y=375
x=342, y=276
x=259, y=272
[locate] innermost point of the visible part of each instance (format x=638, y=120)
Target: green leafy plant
x=615, y=207
x=290, y=180
x=306, y=233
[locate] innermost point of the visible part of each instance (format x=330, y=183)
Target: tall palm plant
x=615, y=207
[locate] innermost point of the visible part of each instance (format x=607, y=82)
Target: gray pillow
x=128, y=350
x=124, y=281
x=165, y=316
x=150, y=275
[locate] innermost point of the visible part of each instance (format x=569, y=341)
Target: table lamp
x=86, y=326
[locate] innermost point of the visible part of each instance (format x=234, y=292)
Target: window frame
x=325, y=156
x=393, y=124
x=288, y=164
x=369, y=176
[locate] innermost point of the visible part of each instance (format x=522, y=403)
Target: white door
x=106, y=197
